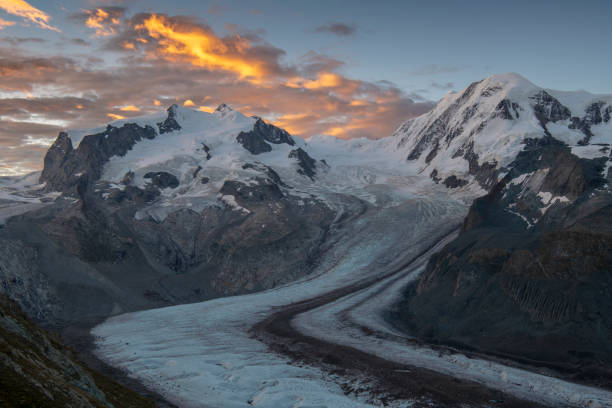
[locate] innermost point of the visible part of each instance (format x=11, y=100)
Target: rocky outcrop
x=454, y=182
x=594, y=115
x=36, y=370
x=548, y=109
x=507, y=110
x=307, y=166
x=258, y=140
x=529, y=275
x=162, y=179
x=267, y=171
x=54, y=160
x=169, y=124
x=74, y=170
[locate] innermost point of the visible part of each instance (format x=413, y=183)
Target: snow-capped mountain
x=531, y=266
x=469, y=138
x=180, y=187
x=476, y=133
x=185, y=206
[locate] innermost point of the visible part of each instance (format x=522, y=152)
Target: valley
x=219, y=261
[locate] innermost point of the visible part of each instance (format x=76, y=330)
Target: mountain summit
x=476, y=133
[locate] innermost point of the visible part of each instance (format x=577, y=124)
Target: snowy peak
x=223, y=107
x=182, y=145
x=473, y=135
x=170, y=124
x=225, y=112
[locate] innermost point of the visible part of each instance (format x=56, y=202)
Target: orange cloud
x=294, y=123
x=324, y=80
x=359, y=102
x=104, y=21
x=114, y=116
x=206, y=109
x=130, y=108
x=194, y=44
x=4, y=23
x=188, y=102
x=22, y=9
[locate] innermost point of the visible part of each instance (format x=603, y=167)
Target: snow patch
x=230, y=200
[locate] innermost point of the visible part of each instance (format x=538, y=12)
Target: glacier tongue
x=203, y=354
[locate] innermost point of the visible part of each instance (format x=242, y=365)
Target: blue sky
x=556, y=44
x=347, y=68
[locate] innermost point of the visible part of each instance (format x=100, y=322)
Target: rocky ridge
x=529, y=276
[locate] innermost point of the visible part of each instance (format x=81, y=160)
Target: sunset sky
x=344, y=68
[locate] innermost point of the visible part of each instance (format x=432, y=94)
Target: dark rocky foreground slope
x=36, y=370
x=530, y=275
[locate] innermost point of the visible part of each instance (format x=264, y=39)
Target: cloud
x=21, y=72
x=442, y=86
x=22, y=9
x=79, y=41
x=339, y=29
x=432, y=69
x=5, y=23
x=104, y=21
x=178, y=59
x=18, y=154
x=182, y=39
x=130, y=108
x=65, y=108
x=22, y=40
x=313, y=62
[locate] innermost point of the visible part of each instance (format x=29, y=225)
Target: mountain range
x=184, y=206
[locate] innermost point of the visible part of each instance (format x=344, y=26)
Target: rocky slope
x=529, y=276
x=36, y=370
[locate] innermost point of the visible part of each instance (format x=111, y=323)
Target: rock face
x=67, y=169
x=36, y=370
x=307, y=165
x=530, y=275
x=257, y=141
x=163, y=179
x=170, y=124
x=93, y=258
x=548, y=109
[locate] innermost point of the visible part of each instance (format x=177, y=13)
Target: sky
x=344, y=68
